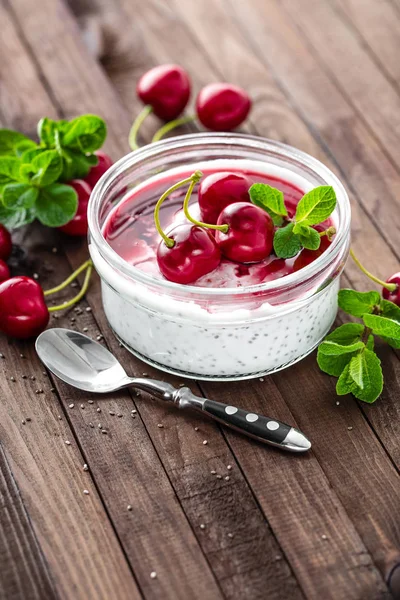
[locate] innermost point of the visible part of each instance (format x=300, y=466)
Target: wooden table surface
x=325, y=77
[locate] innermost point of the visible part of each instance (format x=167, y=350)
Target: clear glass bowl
x=224, y=333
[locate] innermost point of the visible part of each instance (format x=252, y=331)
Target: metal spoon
x=89, y=366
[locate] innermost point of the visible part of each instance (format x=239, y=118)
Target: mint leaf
x=9, y=169
x=56, y=204
x=308, y=236
x=316, y=206
x=346, y=334
x=387, y=329
x=19, y=195
x=358, y=303
x=22, y=147
x=390, y=310
x=362, y=377
x=47, y=167
x=75, y=165
x=86, y=133
x=10, y=140
x=46, y=129
x=286, y=243
x=270, y=199
x=332, y=358
x=13, y=219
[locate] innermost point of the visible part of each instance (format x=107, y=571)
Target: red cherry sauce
x=130, y=231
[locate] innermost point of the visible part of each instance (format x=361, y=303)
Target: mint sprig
x=294, y=234
x=348, y=352
x=32, y=175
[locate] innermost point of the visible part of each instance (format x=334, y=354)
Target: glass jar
x=217, y=333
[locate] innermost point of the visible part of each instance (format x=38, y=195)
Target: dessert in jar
x=240, y=319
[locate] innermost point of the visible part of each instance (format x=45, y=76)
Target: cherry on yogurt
x=166, y=89
x=222, y=106
x=250, y=233
x=194, y=253
x=218, y=190
x=393, y=294
x=5, y=243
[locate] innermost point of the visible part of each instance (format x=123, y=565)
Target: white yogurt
x=182, y=333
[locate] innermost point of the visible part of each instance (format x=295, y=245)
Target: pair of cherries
x=219, y=106
x=243, y=232
x=78, y=226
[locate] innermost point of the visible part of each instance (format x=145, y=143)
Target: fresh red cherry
x=222, y=106
x=97, y=171
x=4, y=271
x=167, y=89
x=78, y=226
x=23, y=312
x=5, y=243
x=194, y=254
x=306, y=257
x=218, y=190
x=393, y=296
x=250, y=233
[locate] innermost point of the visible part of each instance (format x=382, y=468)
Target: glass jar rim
x=249, y=142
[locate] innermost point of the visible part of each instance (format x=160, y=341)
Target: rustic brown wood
x=338, y=519
x=24, y=569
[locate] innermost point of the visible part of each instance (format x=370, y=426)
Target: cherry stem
x=160, y=133
x=329, y=232
x=69, y=280
x=78, y=296
x=192, y=180
x=223, y=228
x=136, y=125
x=391, y=287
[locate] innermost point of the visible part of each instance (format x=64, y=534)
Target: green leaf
x=286, y=243
x=316, y=206
x=332, y=358
x=86, y=133
x=390, y=310
x=19, y=195
x=28, y=156
x=75, y=165
x=13, y=219
x=22, y=147
x=387, y=329
x=56, y=204
x=362, y=377
x=47, y=167
x=10, y=140
x=270, y=199
x=309, y=237
x=358, y=303
x=9, y=169
x=346, y=334
x=46, y=131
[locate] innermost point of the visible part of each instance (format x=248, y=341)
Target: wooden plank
x=24, y=572
x=222, y=48
x=360, y=79
x=378, y=25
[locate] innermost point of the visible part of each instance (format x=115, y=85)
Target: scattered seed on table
x=134, y=411
x=24, y=377
x=12, y=378
x=229, y=467
x=337, y=403
x=98, y=409
x=74, y=284
x=119, y=415
x=133, y=416
x=85, y=467
x=59, y=417
x=67, y=443
x=278, y=557
x=230, y=535
x=202, y=526
x=22, y=355
x=219, y=476
x=160, y=425
x=196, y=428
x=181, y=385
x=72, y=319
x=2, y=355
x=36, y=276
x=324, y=537
x=100, y=426
x=104, y=431
x=32, y=378
x=86, y=492
x=91, y=425
x=227, y=478
x=213, y=472
x=23, y=421
x=350, y=428
x=71, y=405
x=85, y=329
x=82, y=406
x=28, y=419
x=129, y=507
x=153, y=575
x=205, y=443
x=54, y=250
x=39, y=391
x=88, y=309
x=261, y=378
x=138, y=394
x=53, y=390
x=112, y=413
x=90, y=401
x=99, y=338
